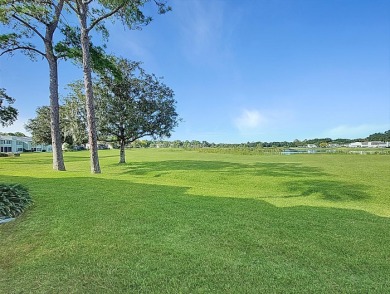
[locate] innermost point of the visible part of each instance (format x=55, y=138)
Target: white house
x=355, y=145
x=378, y=144
x=13, y=144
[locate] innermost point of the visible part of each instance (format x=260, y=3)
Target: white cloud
x=250, y=120
x=359, y=131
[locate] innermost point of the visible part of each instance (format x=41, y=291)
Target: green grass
x=173, y=221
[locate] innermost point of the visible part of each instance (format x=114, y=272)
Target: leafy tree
x=323, y=144
x=29, y=21
x=8, y=114
x=39, y=126
x=177, y=144
x=385, y=137
x=296, y=143
x=40, y=129
x=19, y=134
x=16, y=134
x=130, y=14
x=134, y=105
x=74, y=114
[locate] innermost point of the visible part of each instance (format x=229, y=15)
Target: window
x=1, y=141
x=5, y=149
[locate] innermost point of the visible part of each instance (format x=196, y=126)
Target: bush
x=66, y=147
x=14, y=199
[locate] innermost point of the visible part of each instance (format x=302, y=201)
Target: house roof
x=15, y=138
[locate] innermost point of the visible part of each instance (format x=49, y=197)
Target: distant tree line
x=320, y=142
x=384, y=137
x=16, y=134
x=42, y=135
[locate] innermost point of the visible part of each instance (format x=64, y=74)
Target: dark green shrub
x=14, y=199
x=3, y=154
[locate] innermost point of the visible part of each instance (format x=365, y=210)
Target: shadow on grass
x=329, y=190
x=87, y=234
x=261, y=169
x=308, y=179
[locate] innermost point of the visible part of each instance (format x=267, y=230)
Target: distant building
x=100, y=145
x=373, y=144
x=311, y=146
x=355, y=144
x=379, y=144
x=13, y=144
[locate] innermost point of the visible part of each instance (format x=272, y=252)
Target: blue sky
x=265, y=70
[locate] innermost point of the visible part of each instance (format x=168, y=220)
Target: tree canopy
x=17, y=134
x=385, y=136
x=130, y=104
x=8, y=114
x=134, y=105
x=73, y=132
x=39, y=126
x=74, y=115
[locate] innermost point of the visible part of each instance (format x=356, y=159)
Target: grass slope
x=187, y=222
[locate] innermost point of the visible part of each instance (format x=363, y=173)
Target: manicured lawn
x=174, y=221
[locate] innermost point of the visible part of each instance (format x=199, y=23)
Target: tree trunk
x=90, y=107
x=122, y=155
x=58, y=159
